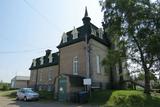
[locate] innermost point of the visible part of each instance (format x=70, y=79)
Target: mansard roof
x=82, y=32
x=46, y=63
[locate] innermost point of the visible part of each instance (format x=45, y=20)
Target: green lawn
x=124, y=98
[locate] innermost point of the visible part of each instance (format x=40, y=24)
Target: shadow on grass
x=100, y=96
x=152, y=101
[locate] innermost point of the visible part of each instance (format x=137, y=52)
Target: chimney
x=48, y=51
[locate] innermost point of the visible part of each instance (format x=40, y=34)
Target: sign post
x=87, y=82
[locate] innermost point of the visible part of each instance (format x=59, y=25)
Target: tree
x=134, y=26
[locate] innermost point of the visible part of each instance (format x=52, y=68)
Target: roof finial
x=86, y=12
x=86, y=19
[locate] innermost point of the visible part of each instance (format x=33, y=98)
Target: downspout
x=87, y=58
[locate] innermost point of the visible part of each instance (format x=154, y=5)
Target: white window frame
x=34, y=62
x=50, y=58
x=93, y=31
x=98, y=64
x=75, y=33
x=64, y=38
x=49, y=75
x=100, y=32
x=75, y=65
x=41, y=61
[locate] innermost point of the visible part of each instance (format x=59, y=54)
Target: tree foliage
x=134, y=26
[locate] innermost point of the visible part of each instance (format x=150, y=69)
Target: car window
x=23, y=91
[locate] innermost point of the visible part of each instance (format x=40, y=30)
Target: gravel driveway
x=5, y=102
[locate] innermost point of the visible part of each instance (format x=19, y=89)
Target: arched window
x=75, y=65
x=75, y=33
x=98, y=64
x=64, y=37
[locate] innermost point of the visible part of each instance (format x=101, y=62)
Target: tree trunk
x=147, y=81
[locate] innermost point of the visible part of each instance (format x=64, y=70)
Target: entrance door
x=62, y=95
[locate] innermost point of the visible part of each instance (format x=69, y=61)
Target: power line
x=22, y=51
x=43, y=16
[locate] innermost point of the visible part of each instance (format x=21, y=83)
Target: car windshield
x=29, y=91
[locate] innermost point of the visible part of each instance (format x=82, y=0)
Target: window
x=41, y=60
x=49, y=75
x=50, y=58
x=33, y=75
x=93, y=31
x=34, y=62
x=64, y=37
x=40, y=76
x=100, y=31
x=98, y=63
x=75, y=65
x=75, y=33
x=49, y=88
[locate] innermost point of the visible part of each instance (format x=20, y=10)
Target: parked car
x=27, y=94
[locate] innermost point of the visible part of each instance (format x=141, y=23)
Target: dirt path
x=6, y=102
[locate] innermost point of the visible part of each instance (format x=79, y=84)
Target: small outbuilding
x=20, y=82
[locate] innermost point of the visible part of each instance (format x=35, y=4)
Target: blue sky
x=29, y=27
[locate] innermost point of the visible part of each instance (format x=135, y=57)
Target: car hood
x=32, y=94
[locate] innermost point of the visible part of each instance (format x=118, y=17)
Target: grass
x=9, y=93
x=132, y=98
x=124, y=98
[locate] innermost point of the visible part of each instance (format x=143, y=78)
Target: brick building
x=81, y=52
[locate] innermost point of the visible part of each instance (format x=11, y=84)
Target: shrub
x=5, y=87
x=46, y=95
x=126, y=99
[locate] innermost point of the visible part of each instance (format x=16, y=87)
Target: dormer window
x=75, y=33
x=93, y=31
x=34, y=62
x=100, y=32
x=50, y=58
x=64, y=37
x=41, y=60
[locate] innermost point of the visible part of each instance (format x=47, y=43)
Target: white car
x=27, y=94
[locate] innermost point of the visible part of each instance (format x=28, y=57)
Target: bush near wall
x=46, y=95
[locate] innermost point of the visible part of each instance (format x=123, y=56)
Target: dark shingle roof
x=82, y=31
x=55, y=61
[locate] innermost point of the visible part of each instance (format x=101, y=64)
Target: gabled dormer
x=49, y=59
